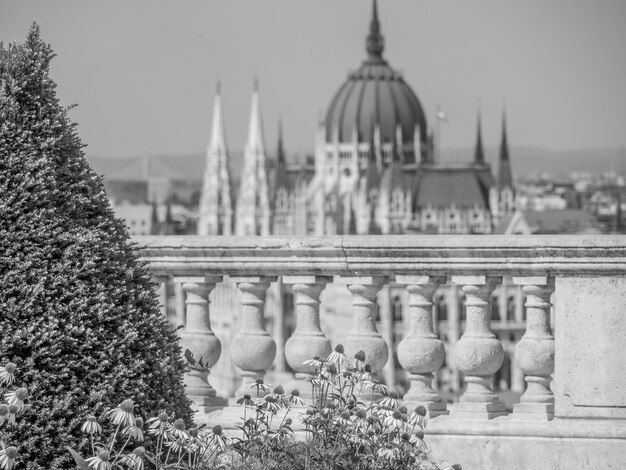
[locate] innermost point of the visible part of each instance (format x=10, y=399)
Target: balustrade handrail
x=386, y=255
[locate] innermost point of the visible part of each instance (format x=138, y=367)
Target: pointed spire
x=280, y=152
x=255, y=131
x=479, y=154
x=218, y=137
x=504, y=146
x=505, y=176
x=375, y=41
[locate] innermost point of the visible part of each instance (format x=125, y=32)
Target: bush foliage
x=77, y=311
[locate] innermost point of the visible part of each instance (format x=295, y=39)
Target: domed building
x=375, y=169
x=375, y=165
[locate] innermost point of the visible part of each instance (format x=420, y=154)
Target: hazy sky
x=144, y=72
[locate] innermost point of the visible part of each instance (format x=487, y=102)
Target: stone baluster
x=421, y=352
x=198, y=338
x=534, y=353
x=308, y=340
x=363, y=335
x=253, y=349
x=479, y=354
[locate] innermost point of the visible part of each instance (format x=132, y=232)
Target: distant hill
x=524, y=160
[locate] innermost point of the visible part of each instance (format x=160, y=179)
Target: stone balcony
x=572, y=413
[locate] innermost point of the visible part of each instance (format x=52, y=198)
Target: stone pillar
x=479, y=354
x=590, y=357
x=253, y=349
x=534, y=353
x=198, y=338
x=363, y=335
x=421, y=352
x=308, y=340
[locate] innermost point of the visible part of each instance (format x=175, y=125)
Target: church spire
x=375, y=40
x=255, y=131
x=280, y=151
x=504, y=146
x=479, y=154
x=215, y=216
x=505, y=178
x=252, y=215
x=218, y=137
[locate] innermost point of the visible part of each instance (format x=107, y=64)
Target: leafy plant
x=78, y=312
x=354, y=422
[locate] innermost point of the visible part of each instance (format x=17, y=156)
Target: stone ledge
x=383, y=255
x=510, y=426
x=503, y=426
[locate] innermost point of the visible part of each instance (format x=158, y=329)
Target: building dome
x=375, y=95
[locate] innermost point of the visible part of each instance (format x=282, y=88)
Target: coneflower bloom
x=7, y=457
x=178, y=429
x=6, y=373
x=217, y=437
x=260, y=386
x=159, y=425
x=376, y=386
x=390, y=400
x=123, y=414
x=100, y=461
x=135, y=430
x=91, y=426
x=195, y=444
x=338, y=357
x=270, y=404
x=294, y=398
x=17, y=398
x=394, y=421
x=359, y=359
x=246, y=400
x=419, y=443
x=133, y=461
x=418, y=416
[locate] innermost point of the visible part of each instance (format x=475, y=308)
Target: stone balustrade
x=575, y=379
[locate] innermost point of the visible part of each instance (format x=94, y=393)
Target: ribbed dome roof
x=374, y=95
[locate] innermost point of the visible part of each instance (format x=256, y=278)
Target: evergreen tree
x=78, y=313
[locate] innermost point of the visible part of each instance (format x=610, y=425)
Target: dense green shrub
x=77, y=311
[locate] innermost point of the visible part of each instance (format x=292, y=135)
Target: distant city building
x=375, y=169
